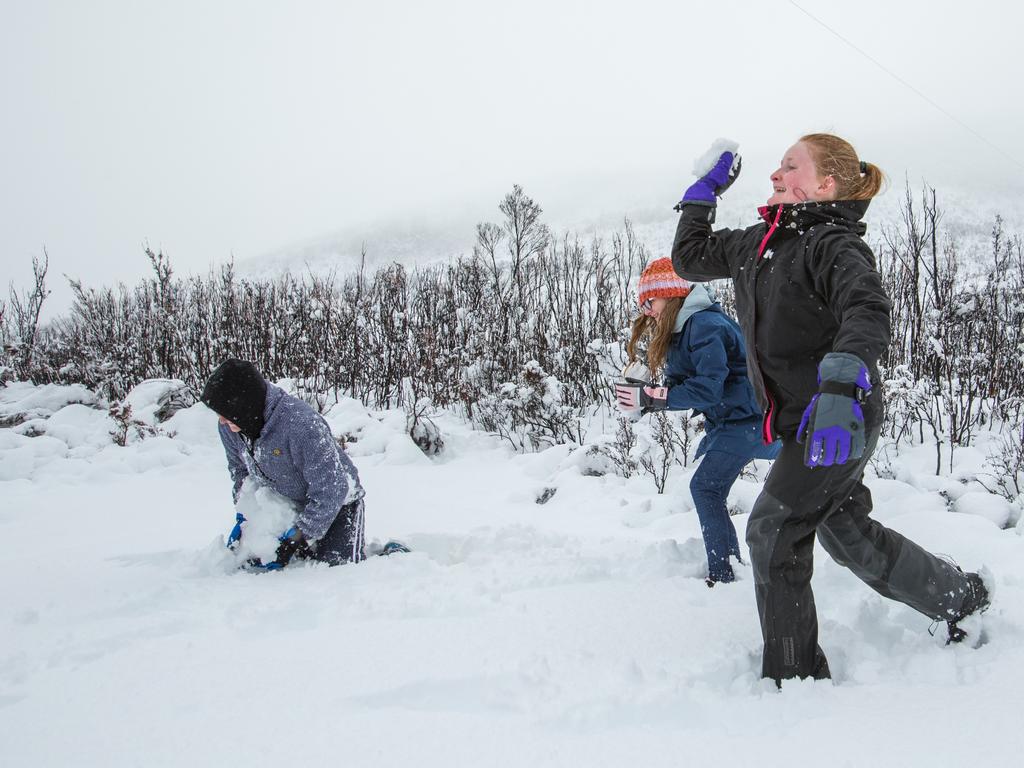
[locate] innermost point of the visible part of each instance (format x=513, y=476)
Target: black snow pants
x=798, y=502
x=344, y=540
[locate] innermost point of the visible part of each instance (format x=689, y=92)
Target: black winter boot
x=977, y=601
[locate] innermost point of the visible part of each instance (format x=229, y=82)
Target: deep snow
x=577, y=632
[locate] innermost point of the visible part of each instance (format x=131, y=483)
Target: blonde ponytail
x=836, y=157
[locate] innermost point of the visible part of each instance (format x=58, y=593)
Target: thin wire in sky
x=899, y=79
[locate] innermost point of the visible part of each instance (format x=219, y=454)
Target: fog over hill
x=968, y=217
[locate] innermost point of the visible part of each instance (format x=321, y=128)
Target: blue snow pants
x=709, y=487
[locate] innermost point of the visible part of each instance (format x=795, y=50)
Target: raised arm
x=697, y=252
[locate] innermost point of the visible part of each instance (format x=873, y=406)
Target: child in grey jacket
x=281, y=442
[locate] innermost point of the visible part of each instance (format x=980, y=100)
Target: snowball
x=707, y=161
x=268, y=515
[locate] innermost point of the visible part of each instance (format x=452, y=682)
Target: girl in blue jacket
x=698, y=351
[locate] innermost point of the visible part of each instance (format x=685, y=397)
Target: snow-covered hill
x=576, y=632
x=968, y=215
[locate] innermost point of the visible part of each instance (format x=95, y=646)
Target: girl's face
x=797, y=181
x=654, y=307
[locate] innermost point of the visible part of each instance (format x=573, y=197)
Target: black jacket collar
x=802, y=216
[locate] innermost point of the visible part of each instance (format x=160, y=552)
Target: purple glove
x=833, y=422
x=710, y=186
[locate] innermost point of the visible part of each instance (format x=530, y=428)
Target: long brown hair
x=660, y=333
x=837, y=158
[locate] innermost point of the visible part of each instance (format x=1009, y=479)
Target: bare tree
x=527, y=236
x=25, y=308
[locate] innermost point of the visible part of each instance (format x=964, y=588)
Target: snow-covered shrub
x=127, y=428
x=462, y=331
x=154, y=401
x=955, y=359
x=146, y=406
x=21, y=401
x=529, y=412
x=613, y=456
x=421, y=426
x=545, y=495
x=1006, y=462
x=884, y=459
x=19, y=329
x=664, y=448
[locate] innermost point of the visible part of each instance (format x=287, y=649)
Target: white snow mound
x=147, y=397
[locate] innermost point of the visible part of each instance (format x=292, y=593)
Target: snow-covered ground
x=575, y=632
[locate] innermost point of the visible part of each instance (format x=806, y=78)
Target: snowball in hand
x=267, y=516
x=707, y=161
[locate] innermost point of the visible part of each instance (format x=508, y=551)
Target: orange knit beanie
x=659, y=280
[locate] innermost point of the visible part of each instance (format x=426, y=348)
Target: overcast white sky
x=211, y=128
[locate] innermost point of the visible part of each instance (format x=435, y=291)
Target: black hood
x=237, y=391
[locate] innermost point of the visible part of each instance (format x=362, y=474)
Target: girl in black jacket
x=816, y=320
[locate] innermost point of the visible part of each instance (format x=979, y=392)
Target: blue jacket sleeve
x=322, y=467
x=236, y=467
x=704, y=390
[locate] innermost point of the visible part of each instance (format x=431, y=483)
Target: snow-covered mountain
x=967, y=215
